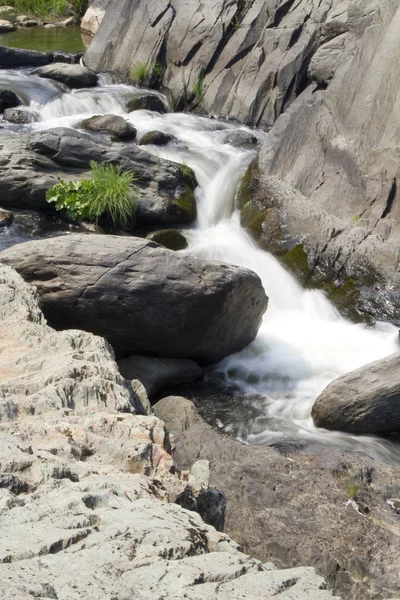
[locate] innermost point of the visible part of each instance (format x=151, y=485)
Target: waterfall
x=303, y=343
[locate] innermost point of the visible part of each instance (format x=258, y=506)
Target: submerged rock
x=157, y=138
x=157, y=374
x=364, y=401
x=20, y=116
x=8, y=99
x=145, y=101
x=74, y=76
x=17, y=57
x=143, y=298
x=114, y=125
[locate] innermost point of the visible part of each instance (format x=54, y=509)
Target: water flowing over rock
x=301, y=503
x=85, y=489
x=144, y=299
x=364, y=401
x=336, y=146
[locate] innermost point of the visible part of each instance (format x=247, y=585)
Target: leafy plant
x=110, y=193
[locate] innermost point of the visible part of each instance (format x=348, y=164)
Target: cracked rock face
x=85, y=488
x=143, y=298
x=251, y=56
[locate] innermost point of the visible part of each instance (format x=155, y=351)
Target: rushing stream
x=303, y=343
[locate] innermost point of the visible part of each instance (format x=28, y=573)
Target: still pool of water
x=63, y=39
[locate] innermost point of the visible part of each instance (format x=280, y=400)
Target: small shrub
x=109, y=193
x=140, y=74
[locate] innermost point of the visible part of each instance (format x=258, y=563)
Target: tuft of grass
x=110, y=193
x=198, y=89
x=352, y=489
x=141, y=73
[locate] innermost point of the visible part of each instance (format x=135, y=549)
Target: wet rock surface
x=144, y=299
x=364, y=401
x=300, y=503
x=113, y=125
x=17, y=57
x=8, y=99
x=74, y=76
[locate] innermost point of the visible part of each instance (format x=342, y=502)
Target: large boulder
x=366, y=400
x=144, y=299
x=74, y=76
x=30, y=164
x=300, y=504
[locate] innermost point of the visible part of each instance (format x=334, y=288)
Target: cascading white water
x=303, y=342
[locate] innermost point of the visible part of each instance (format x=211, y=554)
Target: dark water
x=64, y=39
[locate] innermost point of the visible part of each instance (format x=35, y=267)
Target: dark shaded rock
x=20, y=116
x=187, y=500
x=145, y=101
x=157, y=374
x=14, y=484
x=6, y=218
x=169, y=238
x=212, y=506
x=74, y=76
x=114, y=125
x=240, y=139
x=8, y=100
x=157, y=138
x=364, y=401
x=143, y=298
x=32, y=163
x=297, y=509
x=16, y=57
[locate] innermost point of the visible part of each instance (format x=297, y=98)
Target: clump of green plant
x=142, y=73
x=110, y=193
x=198, y=88
x=352, y=488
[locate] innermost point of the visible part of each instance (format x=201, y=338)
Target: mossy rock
x=296, y=261
x=185, y=205
x=169, y=238
x=6, y=218
x=156, y=138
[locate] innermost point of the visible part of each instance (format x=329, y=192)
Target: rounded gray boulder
x=144, y=299
x=366, y=400
x=74, y=76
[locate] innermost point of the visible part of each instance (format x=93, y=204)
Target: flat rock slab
x=366, y=400
x=144, y=299
x=74, y=76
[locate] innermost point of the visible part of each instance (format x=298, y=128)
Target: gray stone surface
x=300, y=504
x=364, y=401
x=85, y=490
x=251, y=56
x=143, y=298
x=32, y=163
x=74, y=76
x=20, y=116
x=157, y=374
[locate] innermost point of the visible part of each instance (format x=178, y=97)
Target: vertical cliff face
x=248, y=59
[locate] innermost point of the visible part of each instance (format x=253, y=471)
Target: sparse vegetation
x=110, y=193
x=352, y=489
x=49, y=8
x=142, y=73
x=198, y=89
